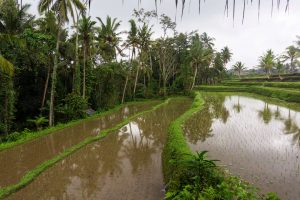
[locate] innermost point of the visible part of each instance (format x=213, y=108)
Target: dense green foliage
x=192, y=176
x=62, y=72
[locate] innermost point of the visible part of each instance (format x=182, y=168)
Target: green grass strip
x=279, y=93
x=291, y=85
x=176, y=147
x=31, y=175
x=27, y=136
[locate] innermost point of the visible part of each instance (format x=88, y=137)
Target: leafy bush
x=38, y=121
x=74, y=107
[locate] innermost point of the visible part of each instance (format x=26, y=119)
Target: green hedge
x=279, y=93
x=275, y=78
x=294, y=85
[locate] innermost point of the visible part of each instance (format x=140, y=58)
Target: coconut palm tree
x=5, y=66
x=132, y=38
x=279, y=67
x=226, y=55
x=61, y=8
x=239, y=67
x=291, y=55
x=201, y=56
x=267, y=62
x=14, y=20
x=109, y=38
x=208, y=41
x=86, y=34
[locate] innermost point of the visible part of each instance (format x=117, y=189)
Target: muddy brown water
x=124, y=165
x=257, y=141
x=15, y=162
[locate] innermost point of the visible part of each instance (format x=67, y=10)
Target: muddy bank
x=124, y=165
x=15, y=162
x=253, y=139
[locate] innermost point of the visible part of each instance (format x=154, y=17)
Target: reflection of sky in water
x=258, y=141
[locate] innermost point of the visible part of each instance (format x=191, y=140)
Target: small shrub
x=74, y=107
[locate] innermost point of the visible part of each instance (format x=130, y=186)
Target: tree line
x=54, y=67
x=284, y=63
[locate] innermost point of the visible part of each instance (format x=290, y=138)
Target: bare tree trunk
x=53, y=83
x=194, y=79
x=77, y=81
x=45, y=88
x=124, y=90
x=84, y=73
x=165, y=86
x=136, y=80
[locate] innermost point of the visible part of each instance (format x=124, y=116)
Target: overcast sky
x=247, y=41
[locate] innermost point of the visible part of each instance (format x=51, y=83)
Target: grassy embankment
x=31, y=175
x=192, y=176
x=287, y=91
x=17, y=138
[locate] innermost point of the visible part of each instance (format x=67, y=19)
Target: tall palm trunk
x=84, y=73
x=136, y=80
x=165, y=86
x=77, y=65
x=54, y=74
x=194, y=78
x=124, y=90
x=45, y=88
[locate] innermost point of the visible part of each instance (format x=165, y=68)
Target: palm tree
x=239, y=67
x=86, y=34
x=14, y=20
x=226, y=55
x=279, y=67
x=5, y=66
x=108, y=38
x=48, y=25
x=61, y=8
x=207, y=40
x=144, y=40
x=267, y=62
x=291, y=55
x=200, y=56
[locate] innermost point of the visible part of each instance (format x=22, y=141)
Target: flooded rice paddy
x=124, y=165
x=15, y=162
x=253, y=139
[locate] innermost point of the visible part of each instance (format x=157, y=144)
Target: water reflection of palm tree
x=198, y=128
x=288, y=123
x=138, y=149
x=238, y=107
x=277, y=113
x=111, y=162
x=266, y=114
x=292, y=128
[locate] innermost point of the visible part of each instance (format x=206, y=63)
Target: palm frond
x=6, y=67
